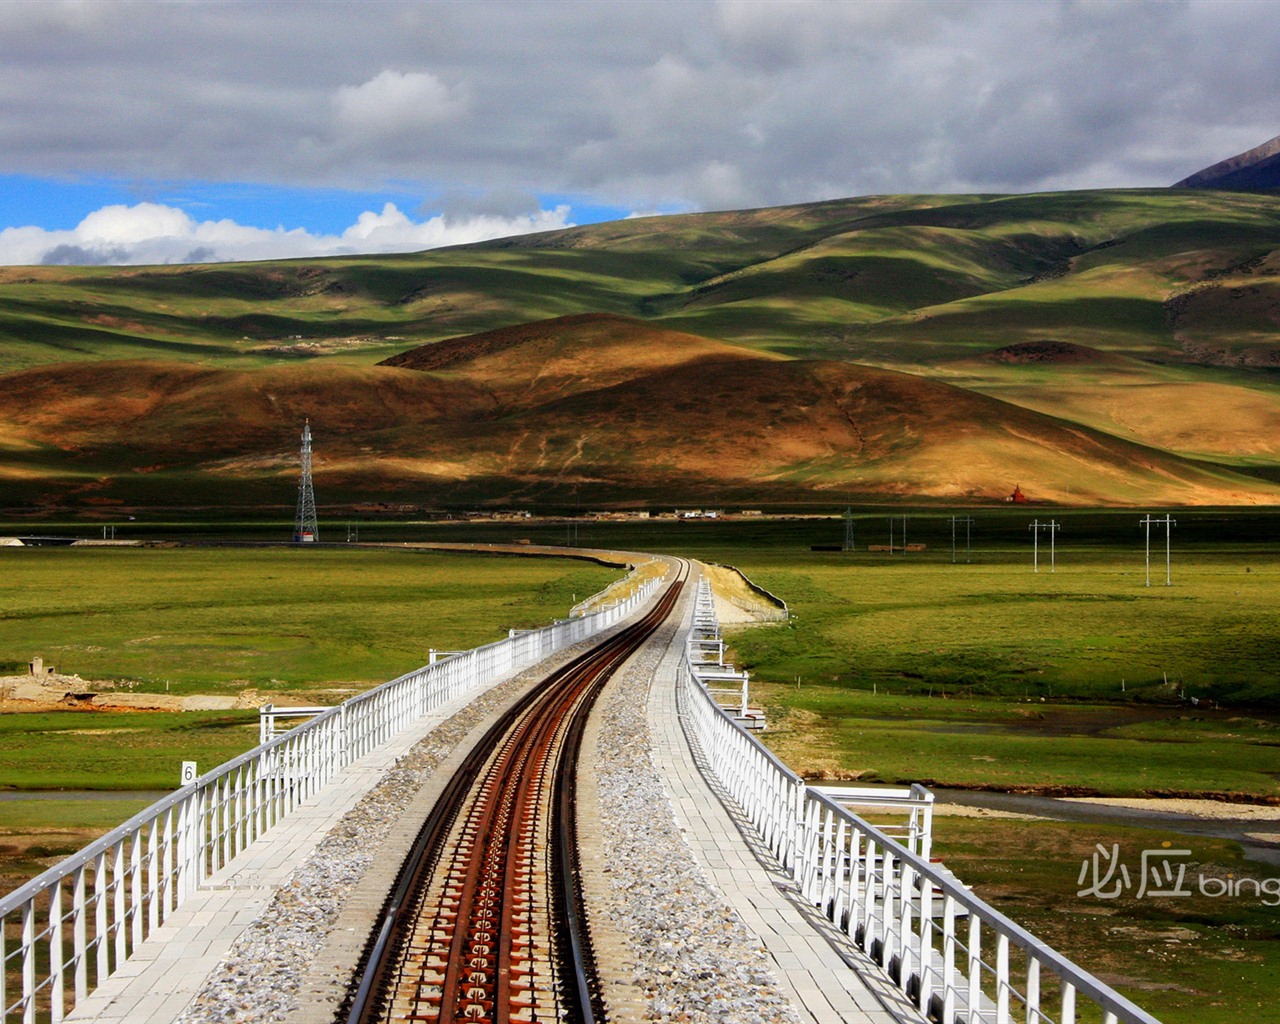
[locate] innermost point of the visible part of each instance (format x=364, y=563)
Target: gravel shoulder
x=678, y=950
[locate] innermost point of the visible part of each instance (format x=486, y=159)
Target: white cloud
x=393, y=102
x=151, y=233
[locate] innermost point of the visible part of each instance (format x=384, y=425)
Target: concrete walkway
x=828, y=978
x=164, y=974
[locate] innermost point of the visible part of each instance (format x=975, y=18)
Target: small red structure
x=1017, y=497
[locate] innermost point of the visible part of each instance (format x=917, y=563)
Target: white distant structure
x=306, y=530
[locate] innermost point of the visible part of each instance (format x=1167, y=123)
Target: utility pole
x=306, y=529
x=1052, y=527
x=891, y=535
x=1168, y=523
x=968, y=521
x=848, y=529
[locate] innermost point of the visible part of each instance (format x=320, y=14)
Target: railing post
x=57, y=957
x=948, y=958
x=137, y=907
x=29, y=962
x=120, y=923
x=906, y=945
x=888, y=912
x=1068, y=1003
x=869, y=900
x=974, y=971
x=926, y=943
x=101, y=932
x=1002, y=978
x=79, y=935
x=4, y=969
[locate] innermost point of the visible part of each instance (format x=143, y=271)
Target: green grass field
x=991, y=675
x=1090, y=629
x=220, y=620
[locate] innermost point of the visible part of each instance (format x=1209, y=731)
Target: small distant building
x=1017, y=497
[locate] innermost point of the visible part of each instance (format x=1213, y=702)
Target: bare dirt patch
x=737, y=602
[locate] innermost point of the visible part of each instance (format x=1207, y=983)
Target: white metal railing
x=957, y=958
x=704, y=654
x=915, y=833
x=68, y=930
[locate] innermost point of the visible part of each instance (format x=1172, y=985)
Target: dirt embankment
x=57, y=692
x=738, y=601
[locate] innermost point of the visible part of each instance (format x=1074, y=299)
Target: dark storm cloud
x=693, y=105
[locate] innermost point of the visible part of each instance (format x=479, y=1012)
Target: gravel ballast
x=689, y=953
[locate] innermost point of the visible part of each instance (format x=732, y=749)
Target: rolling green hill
x=1146, y=321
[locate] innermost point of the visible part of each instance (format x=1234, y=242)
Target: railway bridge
x=565, y=825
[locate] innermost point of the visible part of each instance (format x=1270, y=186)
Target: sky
x=158, y=132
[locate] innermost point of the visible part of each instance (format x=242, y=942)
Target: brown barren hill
x=601, y=408
x=177, y=410
x=549, y=359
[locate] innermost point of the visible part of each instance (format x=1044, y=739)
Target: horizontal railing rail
x=957, y=958
x=69, y=929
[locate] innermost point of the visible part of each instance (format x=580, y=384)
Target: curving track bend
x=486, y=922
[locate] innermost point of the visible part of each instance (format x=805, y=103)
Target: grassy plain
x=221, y=620
x=991, y=675
x=1090, y=629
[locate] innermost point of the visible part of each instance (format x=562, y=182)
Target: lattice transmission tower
x=306, y=530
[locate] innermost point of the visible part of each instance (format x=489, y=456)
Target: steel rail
x=540, y=736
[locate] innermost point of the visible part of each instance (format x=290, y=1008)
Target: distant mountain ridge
x=1114, y=347
x=1257, y=168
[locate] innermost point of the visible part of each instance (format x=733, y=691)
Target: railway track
x=486, y=922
